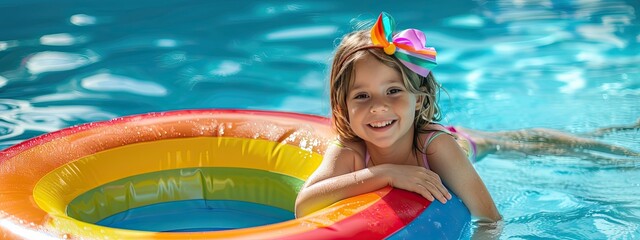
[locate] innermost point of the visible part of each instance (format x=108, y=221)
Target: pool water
x=506, y=65
x=195, y=216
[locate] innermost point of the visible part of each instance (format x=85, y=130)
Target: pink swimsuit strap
x=472, y=156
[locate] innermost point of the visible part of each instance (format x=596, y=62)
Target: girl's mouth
x=381, y=124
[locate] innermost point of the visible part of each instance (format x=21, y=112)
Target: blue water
x=567, y=65
x=197, y=216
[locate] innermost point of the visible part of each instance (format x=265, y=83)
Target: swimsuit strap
x=436, y=130
x=366, y=158
x=474, y=149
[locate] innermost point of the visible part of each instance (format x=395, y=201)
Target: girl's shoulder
x=430, y=132
x=435, y=127
x=354, y=146
x=357, y=149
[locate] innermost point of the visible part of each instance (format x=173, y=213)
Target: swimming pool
x=568, y=65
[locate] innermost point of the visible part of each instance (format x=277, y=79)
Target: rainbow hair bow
x=409, y=46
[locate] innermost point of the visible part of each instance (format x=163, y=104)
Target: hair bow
x=409, y=46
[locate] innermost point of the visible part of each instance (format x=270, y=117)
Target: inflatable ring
x=196, y=174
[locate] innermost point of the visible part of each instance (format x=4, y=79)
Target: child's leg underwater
x=540, y=141
x=613, y=129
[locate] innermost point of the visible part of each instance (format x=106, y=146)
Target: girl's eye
x=360, y=96
x=394, y=90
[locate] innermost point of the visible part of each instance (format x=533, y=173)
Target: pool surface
x=506, y=65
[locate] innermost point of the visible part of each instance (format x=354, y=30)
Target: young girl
x=383, y=101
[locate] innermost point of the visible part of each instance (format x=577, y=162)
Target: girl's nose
x=378, y=106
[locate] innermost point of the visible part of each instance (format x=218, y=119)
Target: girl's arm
x=447, y=159
x=339, y=177
x=335, y=179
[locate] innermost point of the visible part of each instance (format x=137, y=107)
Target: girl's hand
x=416, y=179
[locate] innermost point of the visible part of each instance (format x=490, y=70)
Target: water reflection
x=300, y=33
x=83, y=20
x=3, y=81
x=465, y=21
x=226, y=68
x=62, y=39
x=49, y=61
x=106, y=82
x=20, y=120
x=573, y=79
x=10, y=130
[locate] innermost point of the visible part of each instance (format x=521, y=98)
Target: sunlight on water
x=61, y=39
x=58, y=61
x=227, y=68
x=302, y=33
x=3, y=81
x=83, y=20
x=105, y=82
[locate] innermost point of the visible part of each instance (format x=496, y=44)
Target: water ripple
x=83, y=20
x=10, y=130
x=106, y=82
x=50, y=61
x=602, y=34
x=465, y=21
x=18, y=117
x=62, y=39
x=3, y=81
x=300, y=33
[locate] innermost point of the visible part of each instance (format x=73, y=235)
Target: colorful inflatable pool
x=196, y=174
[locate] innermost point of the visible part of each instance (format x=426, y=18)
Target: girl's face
x=381, y=109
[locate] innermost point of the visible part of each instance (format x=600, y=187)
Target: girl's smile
x=381, y=124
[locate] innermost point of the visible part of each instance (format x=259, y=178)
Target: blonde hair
x=356, y=46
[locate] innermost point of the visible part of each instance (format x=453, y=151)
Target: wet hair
x=354, y=47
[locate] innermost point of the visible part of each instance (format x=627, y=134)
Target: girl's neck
x=401, y=152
